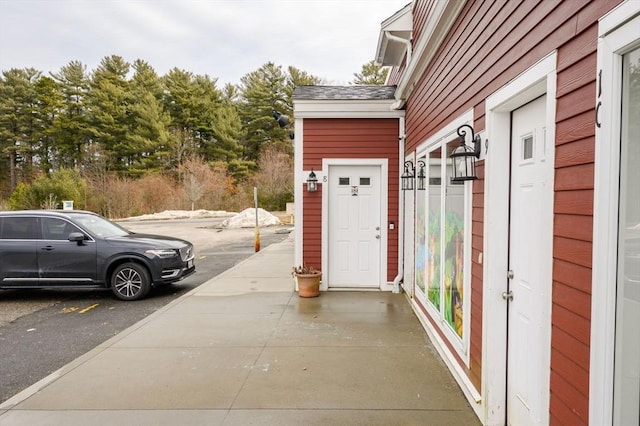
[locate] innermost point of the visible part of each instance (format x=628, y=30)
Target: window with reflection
x=453, y=248
x=433, y=227
x=442, y=252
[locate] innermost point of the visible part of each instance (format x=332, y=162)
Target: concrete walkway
x=244, y=349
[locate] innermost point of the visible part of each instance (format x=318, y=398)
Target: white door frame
x=536, y=81
x=617, y=30
x=383, y=163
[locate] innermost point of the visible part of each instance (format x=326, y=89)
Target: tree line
x=123, y=124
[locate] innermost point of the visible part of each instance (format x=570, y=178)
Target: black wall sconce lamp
x=421, y=176
x=409, y=175
x=312, y=182
x=464, y=156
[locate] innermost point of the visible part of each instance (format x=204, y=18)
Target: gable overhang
x=394, y=42
x=441, y=18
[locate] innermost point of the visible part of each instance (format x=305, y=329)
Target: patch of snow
x=247, y=219
x=181, y=214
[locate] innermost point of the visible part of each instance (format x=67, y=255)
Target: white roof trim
x=395, y=37
x=346, y=109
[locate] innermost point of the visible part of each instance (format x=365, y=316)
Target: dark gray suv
x=43, y=248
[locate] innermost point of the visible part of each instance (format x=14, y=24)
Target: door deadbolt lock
x=378, y=237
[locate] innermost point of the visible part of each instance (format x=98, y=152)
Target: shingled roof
x=347, y=93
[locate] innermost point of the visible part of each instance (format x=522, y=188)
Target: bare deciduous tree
x=275, y=177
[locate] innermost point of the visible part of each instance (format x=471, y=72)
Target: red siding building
x=526, y=276
x=349, y=138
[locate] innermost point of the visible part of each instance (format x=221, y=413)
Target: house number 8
x=324, y=178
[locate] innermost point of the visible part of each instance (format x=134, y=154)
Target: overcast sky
x=225, y=39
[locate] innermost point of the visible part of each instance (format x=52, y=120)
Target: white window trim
x=619, y=32
x=538, y=80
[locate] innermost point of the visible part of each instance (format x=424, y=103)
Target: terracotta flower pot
x=308, y=284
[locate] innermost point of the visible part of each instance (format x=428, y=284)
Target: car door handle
x=47, y=248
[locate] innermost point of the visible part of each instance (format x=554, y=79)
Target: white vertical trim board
x=298, y=189
x=619, y=32
x=538, y=80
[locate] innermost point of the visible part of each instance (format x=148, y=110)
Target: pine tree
x=110, y=111
x=263, y=91
x=49, y=105
x=72, y=126
x=149, y=135
x=371, y=74
x=17, y=123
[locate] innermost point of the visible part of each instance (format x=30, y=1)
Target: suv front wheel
x=130, y=281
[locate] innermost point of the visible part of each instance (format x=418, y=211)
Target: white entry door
x=530, y=233
x=354, y=226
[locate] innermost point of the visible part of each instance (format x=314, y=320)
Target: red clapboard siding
x=574, y=177
x=575, y=251
x=490, y=44
x=575, y=349
x=421, y=10
x=575, y=153
x=562, y=415
x=575, y=128
x=573, y=324
x=578, y=101
x=574, y=300
x=568, y=370
x=581, y=46
x=575, y=75
x=312, y=225
x=350, y=138
x=571, y=397
x=576, y=276
x=492, y=57
x=574, y=226
x=574, y=202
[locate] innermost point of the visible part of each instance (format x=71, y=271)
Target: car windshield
x=100, y=226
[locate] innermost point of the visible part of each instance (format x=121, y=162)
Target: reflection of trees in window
x=454, y=250
x=433, y=230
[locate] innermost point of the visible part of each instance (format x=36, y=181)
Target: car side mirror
x=77, y=237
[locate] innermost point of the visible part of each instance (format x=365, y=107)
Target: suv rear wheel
x=130, y=281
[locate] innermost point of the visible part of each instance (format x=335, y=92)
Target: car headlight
x=163, y=253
